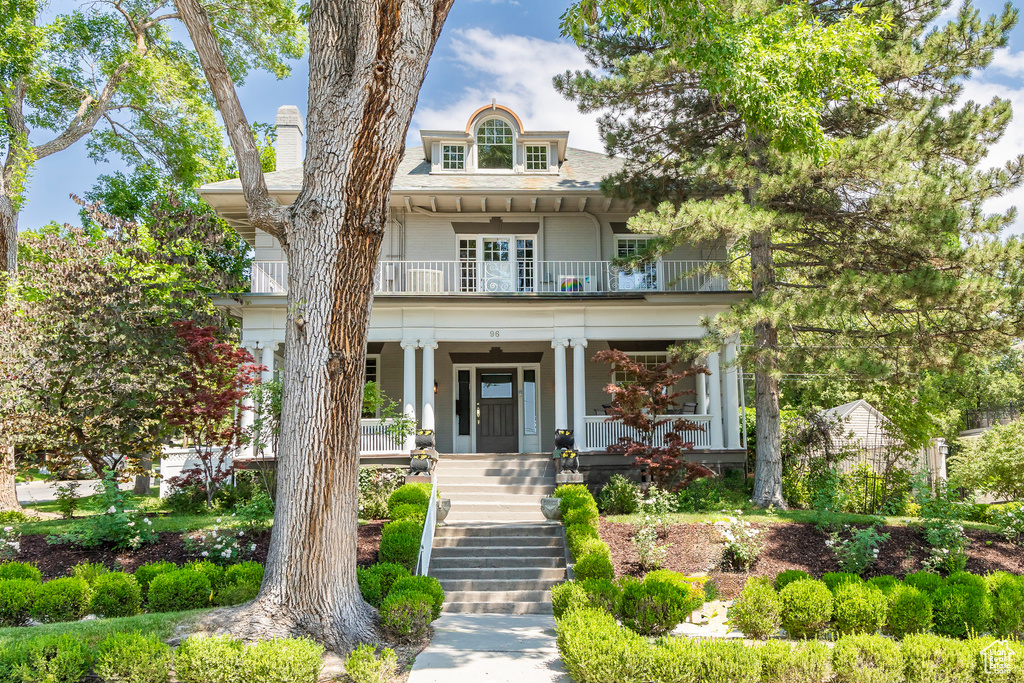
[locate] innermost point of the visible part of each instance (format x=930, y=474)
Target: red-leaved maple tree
x=645, y=403
x=211, y=385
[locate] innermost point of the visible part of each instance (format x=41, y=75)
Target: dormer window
x=495, y=145
x=536, y=157
x=453, y=157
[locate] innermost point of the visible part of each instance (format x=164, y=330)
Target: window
x=524, y=264
x=536, y=157
x=649, y=360
x=496, y=385
x=371, y=375
x=529, y=401
x=467, y=265
x=645, y=276
x=453, y=157
x=494, y=145
x=463, y=403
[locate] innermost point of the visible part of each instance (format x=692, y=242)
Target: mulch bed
x=696, y=548
x=55, y=560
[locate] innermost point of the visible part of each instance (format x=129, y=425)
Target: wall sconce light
x=435, y=386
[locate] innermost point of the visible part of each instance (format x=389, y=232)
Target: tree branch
x=265, y=212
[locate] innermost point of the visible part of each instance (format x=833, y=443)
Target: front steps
x=498, y=568
x=497, y=554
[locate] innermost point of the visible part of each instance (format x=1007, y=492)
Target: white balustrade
x=374, y=440
x=602, y=432
x=515, y=277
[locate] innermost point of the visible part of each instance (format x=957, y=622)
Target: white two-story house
x=495, y=288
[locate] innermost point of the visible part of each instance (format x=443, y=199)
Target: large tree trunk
x=768, y=460
x=367, y=60
x=9, y=252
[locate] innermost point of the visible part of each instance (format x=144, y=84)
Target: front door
x=497, y=424
x=496, y=271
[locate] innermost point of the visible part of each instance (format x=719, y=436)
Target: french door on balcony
x=496, y=264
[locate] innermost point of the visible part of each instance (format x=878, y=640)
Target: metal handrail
x=429, y=524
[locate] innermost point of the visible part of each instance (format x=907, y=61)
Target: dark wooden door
x=497, y=424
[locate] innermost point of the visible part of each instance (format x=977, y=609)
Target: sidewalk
x=490, y=648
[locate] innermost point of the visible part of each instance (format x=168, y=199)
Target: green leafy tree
x=993, y=462
x=826, y=143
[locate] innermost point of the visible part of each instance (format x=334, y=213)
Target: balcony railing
x=602, y=432
x=515, y=277
x=989, y=416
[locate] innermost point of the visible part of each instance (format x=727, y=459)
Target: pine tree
x=828, y=144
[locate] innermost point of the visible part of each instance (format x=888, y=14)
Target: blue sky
x=503, y=49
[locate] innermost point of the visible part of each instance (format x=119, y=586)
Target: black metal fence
x=983, y=418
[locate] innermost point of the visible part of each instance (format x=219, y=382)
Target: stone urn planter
x=444, y=506
x=551, y=508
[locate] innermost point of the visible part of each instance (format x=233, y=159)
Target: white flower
x=241, y=533
x=227, y=553
x=218, y=520
x=252, y=547
x=111, y=510
x=204, y=554
x=8, y=529
x=147, y=521
x=131, y=523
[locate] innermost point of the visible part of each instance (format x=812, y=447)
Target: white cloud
x=1008, y=63
x=516, y=71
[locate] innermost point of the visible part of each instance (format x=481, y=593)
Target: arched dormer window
x=495, y=145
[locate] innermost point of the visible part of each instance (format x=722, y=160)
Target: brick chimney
x=288, y=147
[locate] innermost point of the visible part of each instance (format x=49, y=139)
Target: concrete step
x=480, y=480
x=497, y=607
x=510, y=503
x=496, y=493
x=476, y=516
x=496, y=585
x=498, y=596
x=490, y=530
x=484, y=542
x=512, y=553
x=500, y=573
x=457, y=489
x=495, y=561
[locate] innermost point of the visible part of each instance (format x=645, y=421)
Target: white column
x=561, y=406
x=267, y=362
x=247, y=417
x=427, y=414
x=731, y=399
x=409, y=388
x=715, y=401
x=579, y=392
x=702, y=393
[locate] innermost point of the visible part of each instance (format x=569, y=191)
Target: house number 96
x=495, y=333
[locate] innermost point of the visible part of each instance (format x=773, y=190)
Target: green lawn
x=803, y=516
x=161, y=625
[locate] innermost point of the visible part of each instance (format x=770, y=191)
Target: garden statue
x=422, y=461
x=425, y=438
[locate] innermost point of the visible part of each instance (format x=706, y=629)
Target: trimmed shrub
x=16, y=599
x=208, y=659
x=806, y=608
x=866, y=658
x=960, y=609
x=244, y=572
x=88, y=571
x=593, y=546
x=116, y=594
x=926, y=582
x=886, y=584
x=835, y=579
x=406, y=616
x=409, y=494
x=595, y=649
x=409, y=511
x=213, y=572
x=400, y=542
x=133, y=658
x=147, y=572
x=369, y=586
x=179, y=590
x=575, y=533
x=858, y=608
x=593, y=566
x=910, y=611
x=655, y=607
x=807, y=662
x=283, y=660
x=375, y=582
x=427, y=585
x=1006, y=595
x=724, y=661
x=571, y=494
x=61, y=600
x=603, y=594
x=568, y=596
x=619, y=496
x=236, y=594
x=364, y=666
x=674, y=660
x=787, y=577
x=52, y=658
x=757, y=611
x=966, y=579
x=582, y=513
x=20, y=570
x=929, y=658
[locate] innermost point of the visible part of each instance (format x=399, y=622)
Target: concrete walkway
x=490, y=648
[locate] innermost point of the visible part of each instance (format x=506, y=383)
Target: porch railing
x=374, y=440
x=515, y=277
x=602, y=432
x=429, y=524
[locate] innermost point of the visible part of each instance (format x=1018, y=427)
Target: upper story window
x=536, y=157
x=453, y=157
x=649, y=360
x=495, y=146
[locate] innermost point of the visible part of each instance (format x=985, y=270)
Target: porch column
x=409, y=388
x=247, y=417
x=702, y=392
x=579, y=392
x=268, y=362
x=427, y=418
x=715, y=400
x=731, y=400
x=561, y=406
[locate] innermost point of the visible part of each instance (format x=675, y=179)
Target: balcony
x=433, y=278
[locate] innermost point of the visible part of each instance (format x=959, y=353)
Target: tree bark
x=8, y=233
x=367, y=60
x=143, y=481
x=768, y=459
